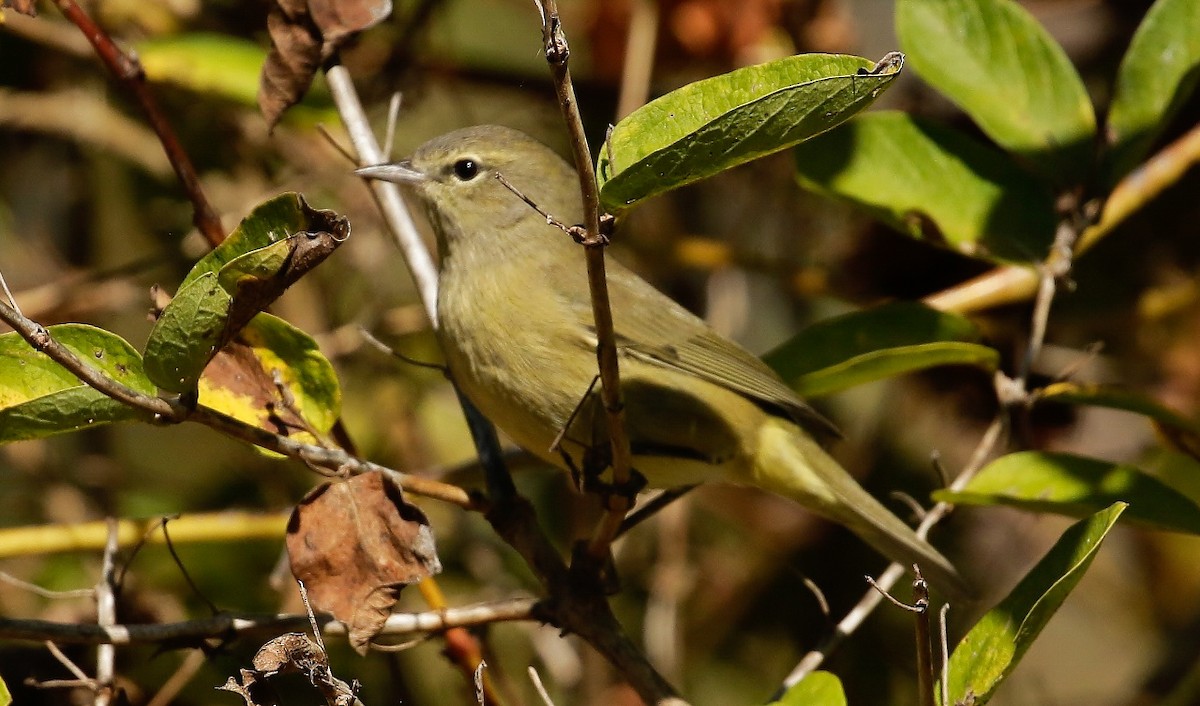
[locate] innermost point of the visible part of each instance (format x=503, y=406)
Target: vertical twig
x=557, y=56
x=106, y=616
x=924, y=641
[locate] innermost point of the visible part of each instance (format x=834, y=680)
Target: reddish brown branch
x=129, y=72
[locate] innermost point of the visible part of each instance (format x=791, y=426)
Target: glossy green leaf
x=244, y=380
x=933, y=183
x=816, y=689
x=1157, y=75
x=877, y=343
x=714, y=124
x=994, y=60
x=270, y=222
x=39, y=397
x=187, y=333
x=206, y=63
x=994, y=646
x=1077, y=486
x=5, y=697
x=262, y=263
x=1184, y=433
x=279, y=241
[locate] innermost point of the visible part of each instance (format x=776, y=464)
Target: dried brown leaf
x=304, y=33
x=355, y=545
x=288, y=653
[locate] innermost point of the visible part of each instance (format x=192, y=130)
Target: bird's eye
x=466, y=169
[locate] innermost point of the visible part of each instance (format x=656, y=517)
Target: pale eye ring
x=466, y=169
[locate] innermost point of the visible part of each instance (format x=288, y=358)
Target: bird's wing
x=653, y=328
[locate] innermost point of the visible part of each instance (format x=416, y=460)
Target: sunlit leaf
x=816, y=689
x=207, y=63
x=270, y=222
x=995, y=61
x=714, y=124
x=39, y=397
x=1077, y=486
x=933, y=183
x=1157, y=75
x=273, y=376
x=187, y=333
x=877, y=343
x=280, y=241
x=994, y=646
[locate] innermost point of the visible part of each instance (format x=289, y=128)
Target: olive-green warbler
x=515, y=321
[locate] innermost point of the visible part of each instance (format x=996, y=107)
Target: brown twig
x=582, y=610
x=557, y=56
x=128, y=70
x=164, y=410
x=38, y=337
x=924, y=646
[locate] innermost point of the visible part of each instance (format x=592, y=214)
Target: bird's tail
x=790, y=463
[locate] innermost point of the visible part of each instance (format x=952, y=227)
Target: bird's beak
x=396, y=172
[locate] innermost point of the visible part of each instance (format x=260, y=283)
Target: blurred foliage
x=90, y=219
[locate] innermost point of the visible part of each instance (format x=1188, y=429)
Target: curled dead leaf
x=355, y=544
x=304, y=33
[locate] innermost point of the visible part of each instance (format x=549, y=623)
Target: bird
x=515, y=324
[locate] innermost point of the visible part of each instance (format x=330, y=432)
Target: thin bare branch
x=11, y=580
x=229, y=625
x=539, y=687
x=871, y=599
x=387, y=195
x=106, y=616
x=73, y=668
x=554, y=44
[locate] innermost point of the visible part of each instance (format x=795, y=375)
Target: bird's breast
x=514, y=352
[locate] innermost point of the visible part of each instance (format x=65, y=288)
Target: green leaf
x=1182, y=432
x=992, y=649
x=933, y=183
x=244, y=380
x=877, y=343
x=187, y=333
x=5, y=697
x=280, y=241
x=1000, y=66
x=207, y=63
x=270, y=222
x=1157, y=75
x=714, y=124
x=39, y=397
x=1076, y=486
x=816, y=689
